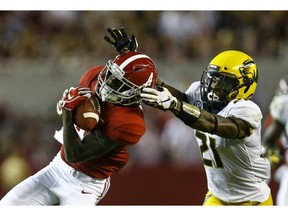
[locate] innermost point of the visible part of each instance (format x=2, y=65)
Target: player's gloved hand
x=59, y=103
x=159, y=84
x=72, y=98
x=120, y=40
x=162, y=99
x=58, y=108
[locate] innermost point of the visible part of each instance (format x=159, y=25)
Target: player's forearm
x=93, y=145
x=202, y=120
x=72, y=142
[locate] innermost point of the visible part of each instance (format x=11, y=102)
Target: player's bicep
x=94, y=145
x=226, y=127
x=232, y=127
x=97, y=138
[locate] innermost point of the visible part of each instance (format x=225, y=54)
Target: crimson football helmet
x=121, y=80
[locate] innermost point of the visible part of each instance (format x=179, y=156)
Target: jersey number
x=204, y=147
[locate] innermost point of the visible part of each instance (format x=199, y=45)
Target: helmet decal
x=150, y=80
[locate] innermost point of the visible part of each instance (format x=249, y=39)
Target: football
x=87, y=114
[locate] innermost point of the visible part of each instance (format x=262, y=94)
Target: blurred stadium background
x=43, y=53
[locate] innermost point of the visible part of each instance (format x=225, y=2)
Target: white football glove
x=59, y=103
x=163, y=100
x=58, y=108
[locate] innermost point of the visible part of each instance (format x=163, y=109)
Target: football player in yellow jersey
x=227, y=127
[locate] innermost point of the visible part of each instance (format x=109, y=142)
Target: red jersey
x=121, y=124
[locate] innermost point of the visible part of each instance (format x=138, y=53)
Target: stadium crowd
x=190, y=34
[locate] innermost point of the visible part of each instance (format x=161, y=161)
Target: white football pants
x=281, y=176
x=57, y=184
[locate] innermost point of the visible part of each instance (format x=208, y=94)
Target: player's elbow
x=71, y=158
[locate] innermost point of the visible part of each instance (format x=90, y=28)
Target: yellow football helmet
x=230, y=75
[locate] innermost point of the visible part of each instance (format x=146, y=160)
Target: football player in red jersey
x=80, y=173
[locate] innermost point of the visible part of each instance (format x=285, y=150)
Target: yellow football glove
x=274, y=155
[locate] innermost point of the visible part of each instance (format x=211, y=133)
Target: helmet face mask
x=114, y=87
x=215, y=88
x=230, y=75
x=120, y=82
